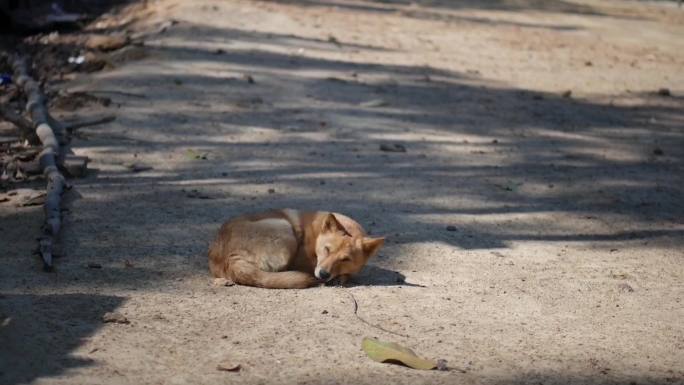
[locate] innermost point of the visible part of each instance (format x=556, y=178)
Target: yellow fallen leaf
x=389, y=352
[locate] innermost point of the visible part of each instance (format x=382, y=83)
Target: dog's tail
x=246, y=273
x=239, y=270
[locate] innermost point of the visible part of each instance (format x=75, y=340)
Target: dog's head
x=341, y=252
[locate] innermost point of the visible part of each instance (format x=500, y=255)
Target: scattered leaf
x=334, y=40
x=106, y=42
x=394, y=147
x=619, y=275
x=194, y=155
x=664, y=92
x=112, y=317
x=390, y=352
x=137, y=167
x=374, y=103
x=198, y=195
x=30, y=197
x=509, y=186
x=227, y=366
x=626, y=287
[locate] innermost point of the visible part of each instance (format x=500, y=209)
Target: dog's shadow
x=378, y=276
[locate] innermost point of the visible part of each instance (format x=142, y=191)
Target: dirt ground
x=534, y=129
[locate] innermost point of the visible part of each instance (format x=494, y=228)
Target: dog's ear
x=332, y=225
x=371, y=246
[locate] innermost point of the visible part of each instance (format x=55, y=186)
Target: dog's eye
x=327, y=251
x=346, y=259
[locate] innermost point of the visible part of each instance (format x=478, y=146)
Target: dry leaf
x=113, y=317
x=29, y=197
x=106, y=42
x=389, y=352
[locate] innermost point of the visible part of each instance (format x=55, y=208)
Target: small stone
x=113, y=317
x=228, y=366
x=324, y=312
x=271, y=191
x=442, y=365
x=451, y=228
x=626, y=287
x=664, y=92
x=333, y=40
x=566, y=94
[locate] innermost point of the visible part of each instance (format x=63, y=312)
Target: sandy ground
x=566, y=264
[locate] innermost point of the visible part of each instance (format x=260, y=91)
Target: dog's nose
x=323, y=274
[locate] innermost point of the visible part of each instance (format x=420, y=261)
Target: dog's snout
x=323, y=274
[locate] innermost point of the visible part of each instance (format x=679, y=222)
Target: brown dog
x=289, y=249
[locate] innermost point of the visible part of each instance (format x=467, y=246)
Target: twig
x=116, y=92
x=87, y=123
x=24, y=125
x=50, y=133
x=356, y=310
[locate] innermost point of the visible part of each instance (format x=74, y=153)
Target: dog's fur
x=288, y=249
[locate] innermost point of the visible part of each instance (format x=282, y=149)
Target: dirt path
x=566, y=263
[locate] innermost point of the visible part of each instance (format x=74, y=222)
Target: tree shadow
x=39, y=333
x=486, y=166
x=602, y=377
x=446, y=10
x=373, y=275
x=497, y=163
